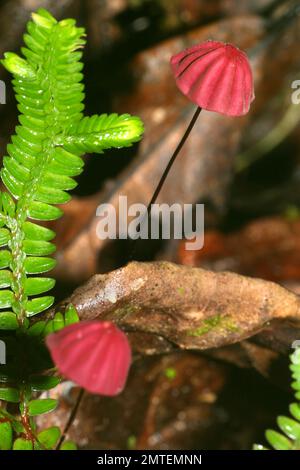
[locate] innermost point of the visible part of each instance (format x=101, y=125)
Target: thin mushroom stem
x=71, y=418
x=167, y=171
x=173, y=158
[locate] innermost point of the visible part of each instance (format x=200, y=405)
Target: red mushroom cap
x=216, y=76
x=96, y=355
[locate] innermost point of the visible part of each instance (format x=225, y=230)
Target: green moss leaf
x=41, y=406
x=10, y=394
x=6, y=435
x=18, y=66
x=49, y=437
x=295, y=410
x=68, y=445
x=58, y=322
x=38, y=285
x=22, y=444
x=35, y=306
x=6, y=298
x=42, y=382
x=36, y=265
x=71, y=315
x=278, y=441
x=8, y=321
x=5, y=278
x=289, y=426
x=38, y=247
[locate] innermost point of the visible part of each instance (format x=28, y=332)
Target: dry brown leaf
x=164, y=305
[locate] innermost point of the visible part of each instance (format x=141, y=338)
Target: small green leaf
x=4, y=236
x=37, y=328
x=5, y=258
x=41, y=406
x=43, y=211
x=16, y=425
x=58, y=181
x=68, y=445
x=68, y=160
x=289, y=426
x=38, y=285
x=8, y=204
x=295, y=410
x=36, y=265
x=52, y=195
x=36, y=232
x=18, y=66
x=71, y=315
x=49, y=437
x=38, y=248
x=10, y=394
x=40, y=383
x=8, y=321
x=6, y=298
x=35, y=306
x=6, y=434
x=42, y=20
x=22, y=444
x=5, y=278
x=296, y=385
x=277, y=440
x=58, y=322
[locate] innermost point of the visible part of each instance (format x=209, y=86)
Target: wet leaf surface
x=189, y=308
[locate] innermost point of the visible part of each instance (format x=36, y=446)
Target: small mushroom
x=217, y=77
x=94, y=354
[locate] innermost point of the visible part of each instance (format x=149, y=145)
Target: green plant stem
x=25, y=419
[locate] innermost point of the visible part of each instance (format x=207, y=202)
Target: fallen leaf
x=189, y=308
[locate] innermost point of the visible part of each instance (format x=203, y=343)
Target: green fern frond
x=45, y=154
x=289, y=437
